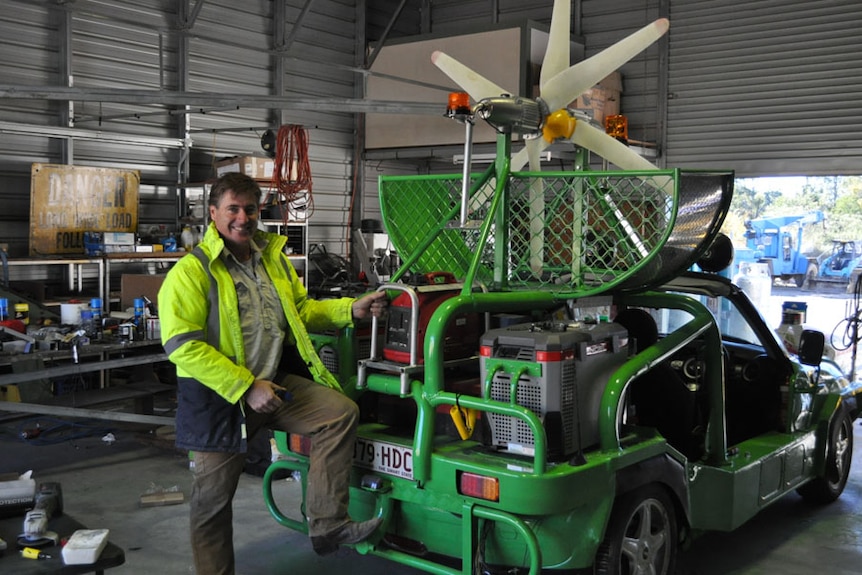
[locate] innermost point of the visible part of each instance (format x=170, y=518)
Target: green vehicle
x=554, y=390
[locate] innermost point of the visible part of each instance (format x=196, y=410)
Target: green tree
x=749, y=204
x=849, y=201
x=821, y=193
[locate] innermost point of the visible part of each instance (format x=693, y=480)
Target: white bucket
x=70, y=313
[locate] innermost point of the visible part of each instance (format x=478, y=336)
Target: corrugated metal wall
x=456, y=17
x=448, y=17
x=766, y=87
x=229, y=48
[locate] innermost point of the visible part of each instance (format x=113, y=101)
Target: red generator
x=432, y=289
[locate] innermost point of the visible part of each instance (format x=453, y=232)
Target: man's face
x=235, y=217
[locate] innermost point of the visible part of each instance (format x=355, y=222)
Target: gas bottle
x=755, y=281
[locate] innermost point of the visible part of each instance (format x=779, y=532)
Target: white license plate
x=384, y=457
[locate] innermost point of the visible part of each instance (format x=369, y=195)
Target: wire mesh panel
x=418, y=212
x=569, y=232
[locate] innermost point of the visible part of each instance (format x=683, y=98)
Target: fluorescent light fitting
x=78, y=134
x=545, y=156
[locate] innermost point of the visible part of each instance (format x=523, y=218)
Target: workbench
x=13, y=563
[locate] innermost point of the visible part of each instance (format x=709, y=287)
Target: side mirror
x=811, y=345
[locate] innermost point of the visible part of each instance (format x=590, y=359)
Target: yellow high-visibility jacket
x=200, y=327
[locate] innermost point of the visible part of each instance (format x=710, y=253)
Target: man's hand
x=373, y=304
x=263, y=396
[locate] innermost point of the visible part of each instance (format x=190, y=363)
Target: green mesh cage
x=576, y=233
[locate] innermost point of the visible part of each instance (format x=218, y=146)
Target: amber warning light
x=617, y=126
x=459, y=104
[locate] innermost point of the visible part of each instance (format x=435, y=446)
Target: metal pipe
x=41, y=409
x=52, y=372
x=468, y=160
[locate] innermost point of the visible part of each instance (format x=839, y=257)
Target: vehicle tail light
x=300, y=444
x=480, y=486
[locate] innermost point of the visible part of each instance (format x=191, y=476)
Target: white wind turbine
x=560, y=84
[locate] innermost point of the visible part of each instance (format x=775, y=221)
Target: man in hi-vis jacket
x=234, y=318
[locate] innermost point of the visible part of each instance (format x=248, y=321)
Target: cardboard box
x=118, y=238
x=154, y=328
x=17, y=493
x=612, y=82
x=601, y=100
x=254, y=166
x=119, y=249
x=149, y=248
x=136, y=285
x=98, y=243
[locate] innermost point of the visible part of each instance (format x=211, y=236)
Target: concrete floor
x=102, y=484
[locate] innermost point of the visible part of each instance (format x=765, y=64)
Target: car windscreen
x=731, y=323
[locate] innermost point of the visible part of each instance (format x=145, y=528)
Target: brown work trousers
x=330, y=419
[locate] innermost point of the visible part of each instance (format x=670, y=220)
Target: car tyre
x=839, y=455
x=642, y=535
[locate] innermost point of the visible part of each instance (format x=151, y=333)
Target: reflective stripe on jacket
x=200, y=326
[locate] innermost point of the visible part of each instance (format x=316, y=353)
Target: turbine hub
x=558, y=125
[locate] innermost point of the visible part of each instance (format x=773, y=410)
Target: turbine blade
x=557, y=55
x=534, y=149
x=520, y=159
x=574, y=81
x=471, y=82
x=523, y=158
x=617, y=153
x=611, y=149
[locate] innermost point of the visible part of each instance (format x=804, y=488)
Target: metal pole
x=468, y=160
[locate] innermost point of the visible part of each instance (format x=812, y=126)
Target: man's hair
x=240, y=184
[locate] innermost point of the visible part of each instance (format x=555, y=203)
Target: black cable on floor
x=52, y=431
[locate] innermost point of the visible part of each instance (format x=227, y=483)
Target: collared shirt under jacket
x=201, y=334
